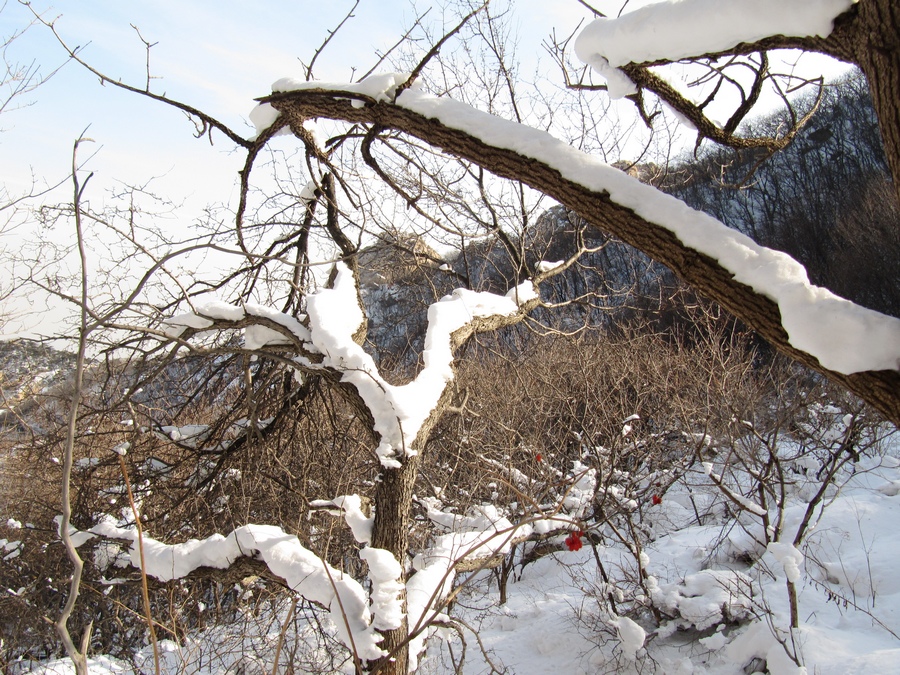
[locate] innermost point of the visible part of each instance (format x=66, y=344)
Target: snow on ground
x=552, y=624
x=721, y=592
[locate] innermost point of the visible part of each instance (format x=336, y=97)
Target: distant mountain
x=401, y=277
x=27, y=368
x=826, y=199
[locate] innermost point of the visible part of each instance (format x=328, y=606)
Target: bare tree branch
x=881, y=389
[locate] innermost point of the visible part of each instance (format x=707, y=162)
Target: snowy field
x=713, y=597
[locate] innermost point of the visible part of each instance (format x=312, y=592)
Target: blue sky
x=217, y=57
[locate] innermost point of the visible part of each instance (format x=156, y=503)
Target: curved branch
x=650, y=81
x=879, y=388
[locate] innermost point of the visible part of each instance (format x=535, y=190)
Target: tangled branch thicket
x=524, y=418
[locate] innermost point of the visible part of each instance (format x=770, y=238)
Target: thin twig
x=145, y=591
x=331, y=34
x=79, y=658
x=437, y=48
x=284, y=628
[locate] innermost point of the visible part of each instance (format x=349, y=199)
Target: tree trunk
x=876, y=50
x=393, y=502
x=393, y=506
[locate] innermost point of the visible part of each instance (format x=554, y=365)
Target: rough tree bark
x=874, y=45
x=879, y=388
x=393, y=504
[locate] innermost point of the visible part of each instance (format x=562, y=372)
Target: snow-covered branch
x=665, y=32
x=303, y=571
x=766, y=288
x=400, y=410
x=334, y=315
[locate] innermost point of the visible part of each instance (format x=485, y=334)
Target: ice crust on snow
x=706, y=598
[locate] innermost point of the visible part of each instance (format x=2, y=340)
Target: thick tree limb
x=879, y=388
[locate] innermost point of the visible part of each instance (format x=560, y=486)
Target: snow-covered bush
x=705, y=599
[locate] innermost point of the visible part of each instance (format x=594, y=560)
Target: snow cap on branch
x=398, y=410
x=304, y=571
x=670, y=31
x=386, y=575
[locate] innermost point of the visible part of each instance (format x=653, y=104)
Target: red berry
x=573, y=541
